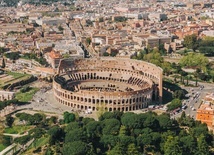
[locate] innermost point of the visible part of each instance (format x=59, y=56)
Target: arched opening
x=127, y=109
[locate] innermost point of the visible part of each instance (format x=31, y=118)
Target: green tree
x=144, y=140
x=88, y=41
x=202, y=148
x=171, y=146
x=37, y=132
x=53, y=120
x=75, y=148
x=22, y=140
x=188, y=143
x=132, y=150
x=180, y=94
x=1, y=131
x=190, y=41
x=123, y=131
x=151, y=122
x=117, y=150
x=56, y=134
x=3, y=63
x=175, y=103
x=164, y=121
x=182, y=118
x=93, y=129
x=105, y=54
x=60, y=28
x=68, y=117
x=124, y=141
x=9, y=120
x=109, y=115
x=72, y=126
x=109, y=141
x=100, y=109
x=37, y=118
x=194, y=60
x=166, y=66
x=2, y=50
x=111, y=126
x=75, y=135
x=132, y=121
x=12, y=55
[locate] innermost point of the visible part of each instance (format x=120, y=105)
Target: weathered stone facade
x=6, y=95
x=110, y=83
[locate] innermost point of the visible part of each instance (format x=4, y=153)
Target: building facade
x=6, y=95
x=113, y=84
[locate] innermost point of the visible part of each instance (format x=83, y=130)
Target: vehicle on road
x=184, y=106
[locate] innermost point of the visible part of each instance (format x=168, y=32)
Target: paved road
x=15, y=135
x=44, y=101
x=193, y=103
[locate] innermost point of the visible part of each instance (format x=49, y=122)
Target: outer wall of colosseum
x=108, y=83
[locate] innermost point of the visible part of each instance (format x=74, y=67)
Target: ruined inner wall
x=116, y=84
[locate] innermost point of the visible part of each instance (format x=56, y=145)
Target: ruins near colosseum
x=110, y=83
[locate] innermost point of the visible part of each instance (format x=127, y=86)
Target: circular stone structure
x=110, y=83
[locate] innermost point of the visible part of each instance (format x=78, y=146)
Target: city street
x=193, y=102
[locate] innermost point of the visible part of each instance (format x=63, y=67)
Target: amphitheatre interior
x=116, y=84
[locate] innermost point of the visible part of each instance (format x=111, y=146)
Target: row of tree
x=204, y=45
x=204, y=68
x=117, y=133
x=129, y=133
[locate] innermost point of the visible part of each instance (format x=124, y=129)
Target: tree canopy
x=190, y=41
x=194, y=60
x=124, y=133
x=175, y=103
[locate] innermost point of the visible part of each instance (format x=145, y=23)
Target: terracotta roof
x=54, y=54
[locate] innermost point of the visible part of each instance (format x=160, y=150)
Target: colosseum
x=109, y=83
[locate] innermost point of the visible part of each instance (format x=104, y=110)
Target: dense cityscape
x=95, y=77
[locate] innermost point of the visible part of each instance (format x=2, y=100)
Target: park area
x=12, y=77
x=26, y=94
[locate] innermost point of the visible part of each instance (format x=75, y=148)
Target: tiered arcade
x=109, y=83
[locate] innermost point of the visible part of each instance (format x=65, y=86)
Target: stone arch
x=127, y=108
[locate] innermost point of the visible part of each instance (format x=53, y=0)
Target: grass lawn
x=40, y=142
x=17, y=129
x=26, y=96
x=13, y=77
x=37, y=143
x=2, y=147
x=16, y=75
